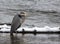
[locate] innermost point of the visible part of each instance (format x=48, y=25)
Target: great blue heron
x=17, y=21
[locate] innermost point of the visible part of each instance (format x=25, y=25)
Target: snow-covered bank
x=4, y=28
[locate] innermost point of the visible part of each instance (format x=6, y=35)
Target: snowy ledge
x=6, y=28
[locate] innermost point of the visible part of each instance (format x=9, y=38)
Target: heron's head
x=23, y=13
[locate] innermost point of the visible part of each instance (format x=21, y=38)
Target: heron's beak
x=23, y=14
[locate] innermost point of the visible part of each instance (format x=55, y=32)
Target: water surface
x=29, y=39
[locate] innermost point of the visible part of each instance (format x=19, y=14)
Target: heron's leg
x=16, y=32
x=11, y=33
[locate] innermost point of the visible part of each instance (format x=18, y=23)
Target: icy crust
x=46, y=28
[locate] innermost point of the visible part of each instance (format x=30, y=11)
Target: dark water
x=40, y=12
x=30, y=39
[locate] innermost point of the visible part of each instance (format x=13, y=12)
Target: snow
x=46, y=28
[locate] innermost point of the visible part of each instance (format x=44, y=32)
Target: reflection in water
x=59, y=37
x=30, y=39
x=16, y=40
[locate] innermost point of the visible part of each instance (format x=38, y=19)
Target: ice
x=5, y=26
x=46, y=28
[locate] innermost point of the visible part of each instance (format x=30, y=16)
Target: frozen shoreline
x=6, y=28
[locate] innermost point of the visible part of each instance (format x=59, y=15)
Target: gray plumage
x=17, y=22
